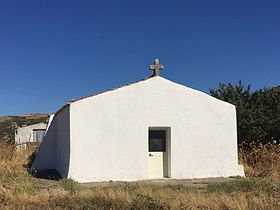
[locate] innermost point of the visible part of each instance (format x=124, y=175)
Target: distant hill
x=8, y=124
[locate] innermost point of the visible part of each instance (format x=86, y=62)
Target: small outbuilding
x=151, y=129
x=30, y=134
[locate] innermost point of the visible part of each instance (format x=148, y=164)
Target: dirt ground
x=51, y=187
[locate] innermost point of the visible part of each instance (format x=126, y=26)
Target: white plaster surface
x=50, y=121
x=108, y=134
x=54, y=151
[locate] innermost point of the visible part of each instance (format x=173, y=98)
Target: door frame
x=167, y=153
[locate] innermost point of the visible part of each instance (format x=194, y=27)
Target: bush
x=258, y=112
x=260, y=160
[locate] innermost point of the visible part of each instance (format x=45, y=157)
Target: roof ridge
x=95, y=94
x=98, y=93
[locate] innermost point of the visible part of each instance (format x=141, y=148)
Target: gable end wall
x=109, y=133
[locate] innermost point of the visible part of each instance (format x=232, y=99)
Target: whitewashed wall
x=109, y=133
x=54, y=150
x=62, y=144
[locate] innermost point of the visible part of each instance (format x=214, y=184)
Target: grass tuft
x=69, y=185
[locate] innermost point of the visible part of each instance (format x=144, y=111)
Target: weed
x=261, y=160
x=244, y=185
x=69, y=185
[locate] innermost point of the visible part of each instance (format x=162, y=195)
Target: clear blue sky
x=52, y=51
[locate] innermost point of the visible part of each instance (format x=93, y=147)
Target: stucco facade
x=105, y=137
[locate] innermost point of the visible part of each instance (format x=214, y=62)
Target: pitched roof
x=95, y=94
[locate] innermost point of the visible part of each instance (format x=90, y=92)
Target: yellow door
x=157, y=146
x=155, y=165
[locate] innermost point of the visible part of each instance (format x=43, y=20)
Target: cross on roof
x=156, y=67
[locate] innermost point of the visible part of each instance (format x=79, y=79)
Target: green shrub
x=70, y=185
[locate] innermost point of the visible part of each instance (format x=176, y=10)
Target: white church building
x=151, y=129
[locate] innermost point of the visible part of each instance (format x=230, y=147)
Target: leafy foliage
x=258, y=112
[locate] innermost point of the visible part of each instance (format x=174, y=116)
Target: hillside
x=8, y=124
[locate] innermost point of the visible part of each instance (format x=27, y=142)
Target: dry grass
x=14, y=179
x=141, y=196
x=18, y=190
x=261, y=160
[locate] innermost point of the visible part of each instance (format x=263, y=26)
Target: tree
x=258, y=113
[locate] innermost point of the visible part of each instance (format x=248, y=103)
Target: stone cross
x=156, y=67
